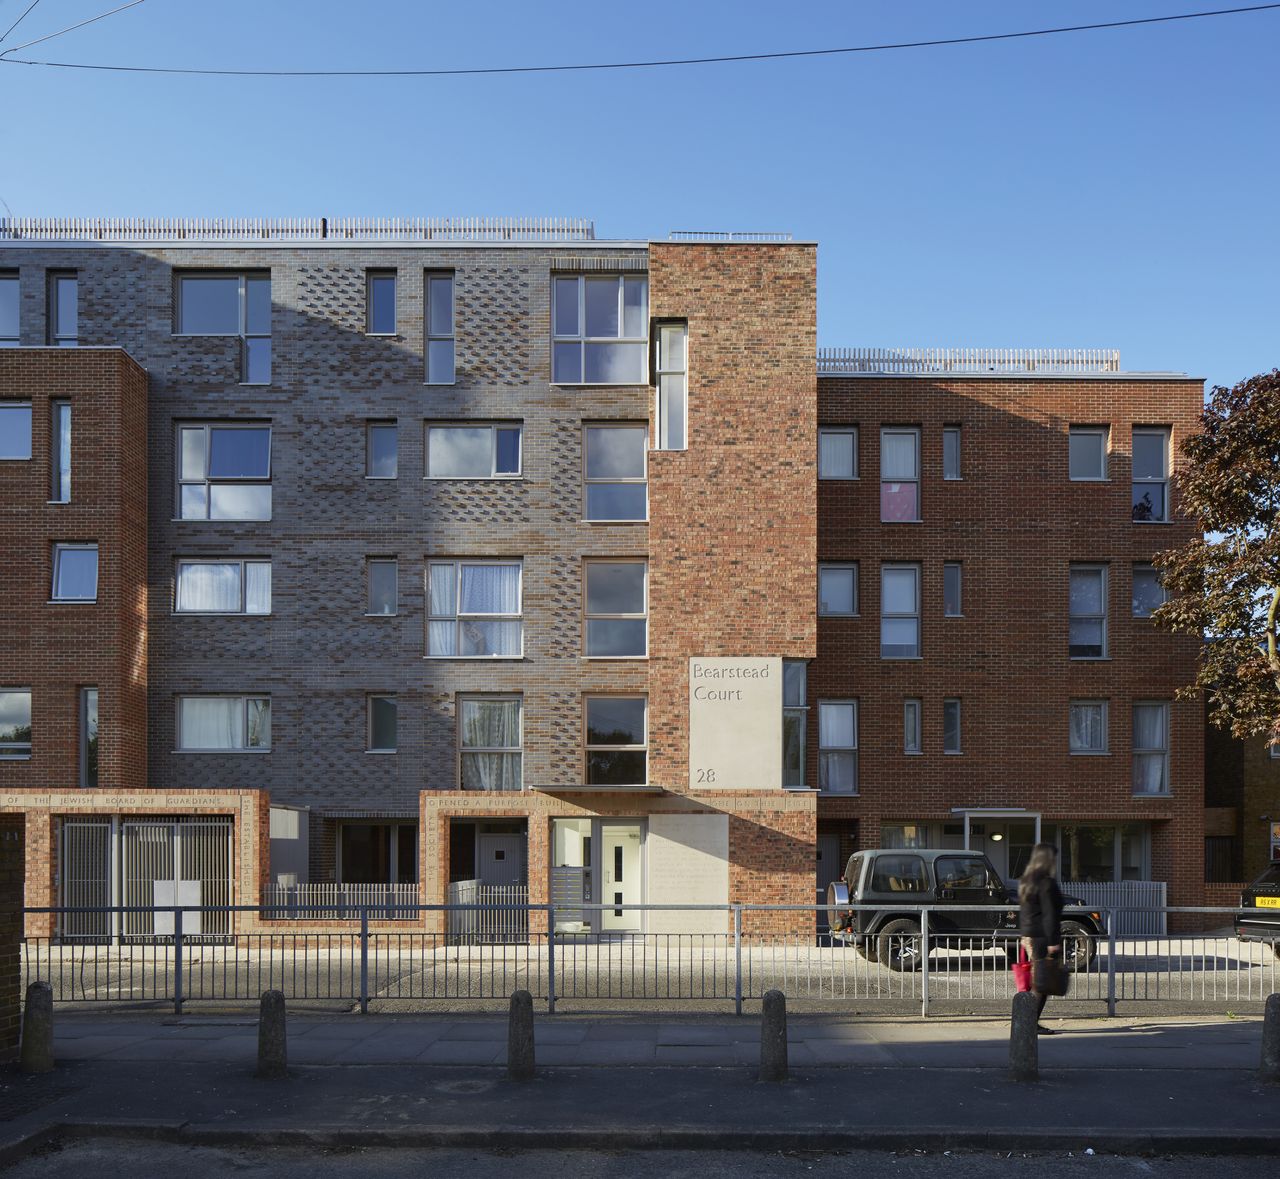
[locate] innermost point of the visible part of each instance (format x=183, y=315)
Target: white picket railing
x=315, y=902
x=968, y=360
x=720, y=235
x=503, y=916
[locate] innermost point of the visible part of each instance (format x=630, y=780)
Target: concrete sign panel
x=688, y=864
x=735, y=724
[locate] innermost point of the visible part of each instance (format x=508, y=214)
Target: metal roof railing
x=717, y=235
x=968, y=360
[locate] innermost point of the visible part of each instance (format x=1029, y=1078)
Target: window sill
x=253, y=384
x=821, y=615
x=913, y=753
x=1153, y=794
x=206, y=520
x=837, y=793
x=72, y=602
x=953, y=753
x=441, y=384
x=1089, y=752
x=503, y=478
x=226, y=752
x=57, y=502
x=1156, y=523
x=14, y=757
x=615, y=658
x=381, y=478
x=471, y=658
x=1088, y=480
x=384, y=335
x=380, y=752
x=644, y=384
x=884, y=521
x=837, y=478
x=645, y=521
x=393, y=614
x=215, y=614
x=802, y=790
x=1088, y=658
x=952, y=617
x=901, y=658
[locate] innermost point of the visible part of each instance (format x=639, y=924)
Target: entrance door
x=500, y=859
x=620, y=875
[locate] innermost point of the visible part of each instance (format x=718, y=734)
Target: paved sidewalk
x=1167, y=1085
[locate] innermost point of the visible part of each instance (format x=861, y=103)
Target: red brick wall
x=11, y=896
x=1017, y=523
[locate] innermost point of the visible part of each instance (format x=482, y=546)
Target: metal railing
x=720, y=235
x=483, y=912
x=321, y=902
x=968, y=360
x=727, y=954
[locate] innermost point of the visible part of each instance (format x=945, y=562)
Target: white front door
x=500, y=859
x=620, y=883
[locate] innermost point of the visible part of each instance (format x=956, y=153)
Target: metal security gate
x=84, y=879
x=176, y=862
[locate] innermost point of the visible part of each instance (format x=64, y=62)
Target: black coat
x=1041, y=912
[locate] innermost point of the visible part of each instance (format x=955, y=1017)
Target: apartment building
x=377, y=558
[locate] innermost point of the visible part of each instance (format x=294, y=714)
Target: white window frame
x=241, y=562
x=369, y=563
x=1083, y=751
x=588, y=481
x=16, y=404
x=369, y=427
x=587, y=748
x=1144, y=751
x=839, y=750
x=369, y=746
x=957, y=703
x=1164, y=435
x=1144, y=567
x=587, y=616
x=20, y=750
x=208, y=482
x=493, y=428
x=57, y=337
x=245, y=701
x=429, y=337
x=850, y=567
x=913, y=706
x=672, y=426
x=61, y=547
x=459, y=619
x=850, y=432
x=244, y=335
x=949, y=432
x=1103, y=434
x=915, y=614
x=582, y=339
x=1104, y=573
x=487, y=750
x=372, y=275
x=958, y=567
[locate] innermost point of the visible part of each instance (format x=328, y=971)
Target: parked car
x=896, y=881
x=1261, y=901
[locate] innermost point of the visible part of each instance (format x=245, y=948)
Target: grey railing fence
x=483, y=912
x=725, y=956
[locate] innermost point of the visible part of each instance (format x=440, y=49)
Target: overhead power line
x=619, y=65
x=25, y=13
x=68, y=29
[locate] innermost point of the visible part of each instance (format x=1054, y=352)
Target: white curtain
x=1086, y=727
x=835, y=455
x=490, y=589
x=898, y=456
x=491, y=725
x=1150, y=737
x=211, y=587
x=211, y=722
x=257, y=587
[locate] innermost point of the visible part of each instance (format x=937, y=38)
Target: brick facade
x=12, y=872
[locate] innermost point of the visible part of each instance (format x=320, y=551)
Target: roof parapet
x=1010, y=361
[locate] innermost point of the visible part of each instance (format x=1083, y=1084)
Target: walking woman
x=1040, y=918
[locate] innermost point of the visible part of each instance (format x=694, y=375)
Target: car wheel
x=898, y=945
x=1078, y=949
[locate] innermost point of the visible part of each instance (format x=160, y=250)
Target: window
x=60, y=452
x=1087, y=453
x=899, y=475
x=63, y=312
x=615, y=472
x=837, y=589
x=899, y=874
x=1088, y=723
x=795, y=716
x=212, y=724
x=952, y=601
x=440, y=330
x=383, y=581
x=1150, y=475
x=672, y=371
x=378, y=853
x=616, y=609
x=8, y=310
x=15, y=429
x=900, y=612
x=223, y=587
x=951, y=452
x=474, y=609
x=88, y=737
x=15, y=722
x=951, y=726
x=1087, y=638
x=228, y=304
x=911, y=726
x=1148, y=593
x=1151, y=749
x=473, y=452
x=75, y=572
x=616, y=740
x=380, y=303
x=224, y=472
x=380, y=726
x=602, y=330
x=382, y=440
x=838, y=453
x=489, y=742
x=838, y=747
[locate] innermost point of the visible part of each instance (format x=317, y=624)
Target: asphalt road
x=149, y=1160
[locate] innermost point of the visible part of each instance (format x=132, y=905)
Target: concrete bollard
x=37, y=1030
x=273, y=1053
x=1024, y=1042
x=773, y=1037
x=1270, y=1070
x=520, y=1061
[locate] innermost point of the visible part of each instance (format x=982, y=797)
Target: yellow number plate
x=1267, y=902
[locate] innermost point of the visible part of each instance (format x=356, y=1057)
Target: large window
x=838, y=453
x=88, y=737
x=1148, y=593
x=795, y=719
x=218, y=303
x=616, y=740
x=1087, y=453
x=1087, y=607
x=383, y=578
x=440, y=344
x=899, y=475
x=60, y=453
x=1088, y=726
x=8, y=311
x=474, y=609
x=673, y=385
x=381, y=450
x=380, y=303
x=838, y=589
x=473, y=452
x=75, y=572
x=616, y=596
x=489, y=742
x=1150, y=475
x=1151, y=748
x=15, y=429
x=15, y=722
x=224, y=471
x=951, y=726
x=381, y=724
x=601, y=330
x=223, y=587
x=377, y=853
x=615, y=472
x=838, y=746
x=220, y=724
x=64, y=313
x=900, y=612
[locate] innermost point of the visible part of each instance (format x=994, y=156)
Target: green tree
x=1225, y=584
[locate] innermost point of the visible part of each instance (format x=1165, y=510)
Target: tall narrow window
x=220, y=303
x=837, y=590
x=911, y=726
x=15, y=429
x=616, y=597
x=952, y=600
x=616, y=740
x=1148, y=593
x=673, y=385
x=900, y=612
x=89, y=737
x=64, y=312
x=8, y=311
x=1150, y=475
x=383, y=576
x=224, y=724
x=601, y=327
x=441, y=368
x=15, y=722
x=60, y=452
x=1087, y=612
x=1087, y=453
x=381, y=450
x=951, y=726
x=838, y=453
x=75, y=572
x=1151, y=748
x=795, y=718
x=381, y=724
x=615, y=473
x=224, y=471
x=380, y=303
x=899, y=475
x=489, y=742
x=474, y=609
x=951, y=452
x=838, y=746
x=223, y=587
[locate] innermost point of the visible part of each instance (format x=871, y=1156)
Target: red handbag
x=1022, y=969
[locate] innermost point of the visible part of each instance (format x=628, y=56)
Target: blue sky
x=1108, y=189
